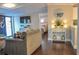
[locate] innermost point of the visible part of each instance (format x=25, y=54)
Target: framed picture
x=25, y=19
x=21, y=19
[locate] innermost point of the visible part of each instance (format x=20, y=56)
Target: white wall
x=35, y=21
x=16, y=23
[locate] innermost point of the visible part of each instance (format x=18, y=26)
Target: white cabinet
x=58, y=35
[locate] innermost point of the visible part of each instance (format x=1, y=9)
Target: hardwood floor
x=54, y=48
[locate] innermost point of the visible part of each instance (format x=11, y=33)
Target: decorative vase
x=62, y=37
x=54, y=37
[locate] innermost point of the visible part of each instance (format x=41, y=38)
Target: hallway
x=54, y=48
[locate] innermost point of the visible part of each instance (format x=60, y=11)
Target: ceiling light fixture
x=9, y=5
x=42, y=20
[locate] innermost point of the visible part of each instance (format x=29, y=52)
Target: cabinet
x=58, y=35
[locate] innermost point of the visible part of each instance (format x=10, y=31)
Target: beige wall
x=75, y=13
x=68, y=14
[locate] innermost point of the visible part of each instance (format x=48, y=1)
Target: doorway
x=44, y=24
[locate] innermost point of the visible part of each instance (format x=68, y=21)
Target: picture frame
x=25, y=19
x=21, y=20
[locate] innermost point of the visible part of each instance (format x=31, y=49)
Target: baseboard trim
x=60, y=41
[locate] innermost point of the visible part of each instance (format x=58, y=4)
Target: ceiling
x=23, y=9
x=62, y=4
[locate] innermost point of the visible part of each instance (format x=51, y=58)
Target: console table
x=58, y=35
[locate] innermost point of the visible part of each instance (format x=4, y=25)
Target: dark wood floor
x=54, y=48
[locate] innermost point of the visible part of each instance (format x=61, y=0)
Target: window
x=8, y=26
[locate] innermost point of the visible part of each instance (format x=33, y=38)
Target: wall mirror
x=58, y=13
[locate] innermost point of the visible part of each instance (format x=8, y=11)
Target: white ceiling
x=23, y=9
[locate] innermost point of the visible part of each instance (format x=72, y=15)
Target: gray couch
x=16, y=46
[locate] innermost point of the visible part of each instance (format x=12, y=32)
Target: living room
x=22, y=25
